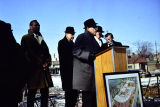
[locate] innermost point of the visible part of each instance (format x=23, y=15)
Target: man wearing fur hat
x=83, y=68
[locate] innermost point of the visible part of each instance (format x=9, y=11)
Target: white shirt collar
x=38, y=38
x=98, y=41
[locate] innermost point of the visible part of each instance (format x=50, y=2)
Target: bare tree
x=130, y=52
x=144, y=49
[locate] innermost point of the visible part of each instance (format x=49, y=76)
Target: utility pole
x=156, y=54
x=156, y=49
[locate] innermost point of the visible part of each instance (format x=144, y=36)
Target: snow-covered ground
x=57, y=89
x=145, y=81
x=57, y=81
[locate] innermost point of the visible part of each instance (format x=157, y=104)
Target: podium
x=113, y=59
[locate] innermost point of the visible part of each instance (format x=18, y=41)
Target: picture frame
x=123, y=89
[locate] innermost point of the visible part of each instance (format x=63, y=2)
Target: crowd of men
x=28, y=63
x=76, y=62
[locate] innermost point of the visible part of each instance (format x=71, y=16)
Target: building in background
x=136, y=63
x=55, y=68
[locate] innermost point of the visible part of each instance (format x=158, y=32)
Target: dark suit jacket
x=115, y=43
x=105, y=45
x=83, y=67
x=66, y=62
x=36, y=55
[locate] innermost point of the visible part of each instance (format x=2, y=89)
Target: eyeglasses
x=37, y=25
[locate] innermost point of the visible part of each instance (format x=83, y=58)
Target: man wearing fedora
x=99, y=35
x=83, y=67
x=65, y=47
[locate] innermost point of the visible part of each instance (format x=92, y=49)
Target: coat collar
x=31, y=33
x=67, y=42
x=87, y=32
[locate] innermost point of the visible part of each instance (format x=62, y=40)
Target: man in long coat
x=83, y=68
x=65, y=47
x=38, y=61
x=11, y=64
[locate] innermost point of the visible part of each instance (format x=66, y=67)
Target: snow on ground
x=57, y=81
x=145, y=81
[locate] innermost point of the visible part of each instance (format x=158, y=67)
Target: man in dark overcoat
x=38, y=61
x=83, y=68
x=11, y=73
x=65, y=47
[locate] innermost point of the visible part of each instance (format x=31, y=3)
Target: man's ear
x=87, y=28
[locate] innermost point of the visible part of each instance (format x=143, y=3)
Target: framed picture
x=123, y=89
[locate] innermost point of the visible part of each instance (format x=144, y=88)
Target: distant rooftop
x=135, y=59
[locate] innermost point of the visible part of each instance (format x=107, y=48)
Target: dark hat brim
x=90, y=26
x=70, y=32
x=100, y=31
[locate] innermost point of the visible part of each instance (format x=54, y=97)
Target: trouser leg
x=31, y=97
x=89, y=99
x=44, y=97
x=71, y=98
x=7, y=97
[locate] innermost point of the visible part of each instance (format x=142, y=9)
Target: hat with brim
x=70, y=30
x=99, y=29
x=90, y=23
